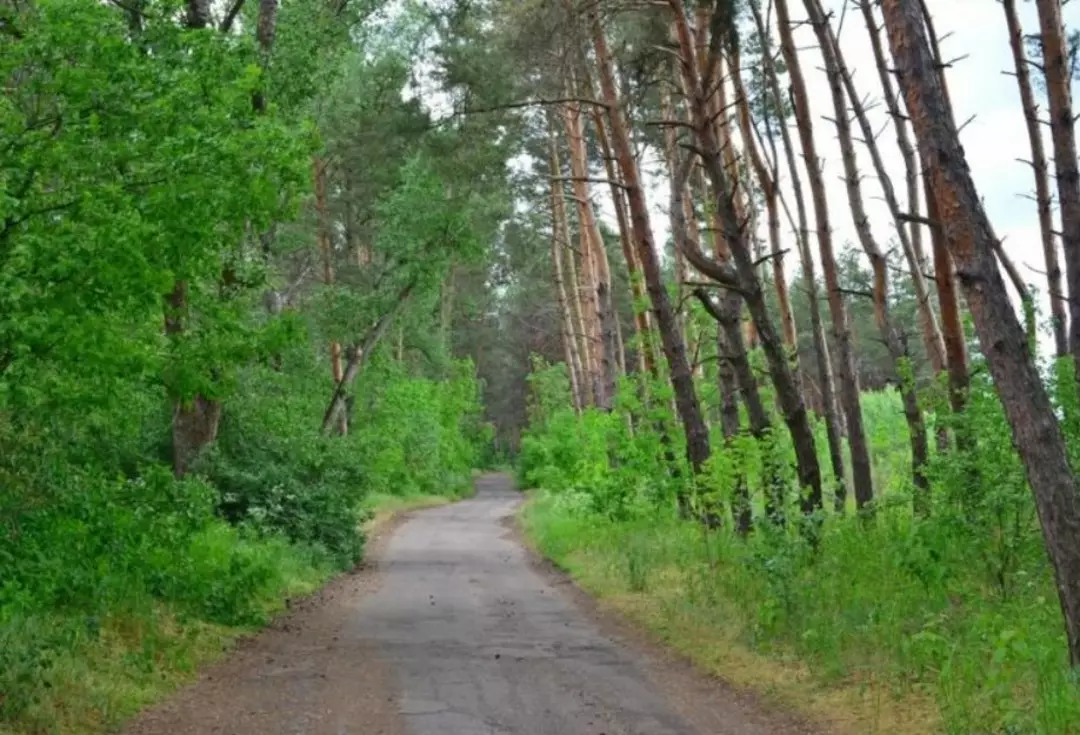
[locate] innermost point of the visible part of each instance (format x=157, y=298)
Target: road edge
x=683, y=682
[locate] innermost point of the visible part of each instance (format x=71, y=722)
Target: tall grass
x=946, y=624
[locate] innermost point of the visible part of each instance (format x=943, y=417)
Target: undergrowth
x=117, y=585
x=946, y=623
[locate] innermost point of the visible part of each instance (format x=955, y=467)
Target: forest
x=718, y=279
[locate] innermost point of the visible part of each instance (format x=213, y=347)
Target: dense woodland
x=267, y=267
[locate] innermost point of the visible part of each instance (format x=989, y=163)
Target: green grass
x=866, y=635
x=82, y=675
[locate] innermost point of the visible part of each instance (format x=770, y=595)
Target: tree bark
x=646, y=349
x=323, y=237
x=743, y=275
x=358, y=358
x=686, y=400
x=862, y=478
x=611, y=364
x=970, y=240
x=949, y=301
x=767, y=180
x=577, y=311
x=592, y=307
x=910, y=236
x=1063, y=134
x=836, y=72
x=265, y=31
x=560, y=237
x=681, y=200
x=197, y=14
x=829, y=406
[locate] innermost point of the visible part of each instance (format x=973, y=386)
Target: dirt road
x=457, y=631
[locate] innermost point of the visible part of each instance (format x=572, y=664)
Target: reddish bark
x=850, y=395
x=686, y=401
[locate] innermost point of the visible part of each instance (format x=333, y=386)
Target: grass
x=86, y=676
x=851, y=640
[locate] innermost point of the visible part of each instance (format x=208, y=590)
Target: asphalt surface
x=460, y=631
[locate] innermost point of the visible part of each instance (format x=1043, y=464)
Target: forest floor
x=455, y=626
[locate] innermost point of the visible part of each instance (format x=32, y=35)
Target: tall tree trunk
x=1063, y=134
x=197, y=14
x=829, y=405
x=836, y=72
x=323, y=237
x=265, y=31
x=767, y=179
x=743, y=275
x=195, y=420
x=861, y=475
x=577, y=312
x=741, y=197
x=685, y=204
x=592, y=308
x=949, y=301
x=611, y=362
x=970, y=239
x=560, y=236
x=910, y=236
x=686, y=400
x=646, y=350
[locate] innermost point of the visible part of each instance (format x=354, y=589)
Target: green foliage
x=959, y=605
x=140, y=185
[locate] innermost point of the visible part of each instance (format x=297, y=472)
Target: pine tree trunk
x=970, y=240
x=829, y=405
x=323, y=237
x=588, y=273
x=686, y=400
x=836, y=72
x=560, y=236
x=914, y=252
x=862, y=479
x=683, y=201
x=743, y=276
x=646, y=350
x=611, y=348
x=1063, y=134
x=770, y=193
x=949, y=302
x=731, y=351
x=577, y=313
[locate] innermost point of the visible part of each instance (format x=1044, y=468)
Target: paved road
x=462, y=634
